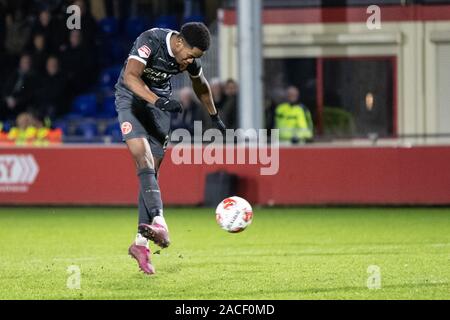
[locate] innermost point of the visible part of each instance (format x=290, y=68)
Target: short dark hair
x=196, y=34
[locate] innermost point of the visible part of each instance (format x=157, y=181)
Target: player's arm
x=132, y=79
x=203, y=93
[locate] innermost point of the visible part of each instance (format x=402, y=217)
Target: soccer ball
x=234, y=214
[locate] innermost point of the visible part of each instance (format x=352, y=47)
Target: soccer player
x=143, y=103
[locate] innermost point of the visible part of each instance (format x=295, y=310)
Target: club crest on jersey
x=126, y=127
x=144, y=51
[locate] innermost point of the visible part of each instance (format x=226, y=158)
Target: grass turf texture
x=319, y=253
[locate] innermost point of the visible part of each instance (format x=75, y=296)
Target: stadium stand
x=102, y=46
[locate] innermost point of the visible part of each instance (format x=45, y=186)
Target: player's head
x=193, y=40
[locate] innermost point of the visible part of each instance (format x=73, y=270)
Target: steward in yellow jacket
x=293, y=119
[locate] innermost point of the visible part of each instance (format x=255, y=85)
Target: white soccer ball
x=234, y=214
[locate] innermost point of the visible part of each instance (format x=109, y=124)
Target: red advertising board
x=99, y=175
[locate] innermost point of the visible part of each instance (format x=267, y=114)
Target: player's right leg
x=157, y=125
x=141, y=153
x=150, y=208
x=143, y=158
x=134, y=118
x=135, y=135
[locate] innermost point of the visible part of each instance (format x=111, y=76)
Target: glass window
x=362, y=89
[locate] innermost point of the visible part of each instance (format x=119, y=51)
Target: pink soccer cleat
x=142, y=256
x=156, y=233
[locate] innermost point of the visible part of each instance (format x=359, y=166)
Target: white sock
x=141, y=240
x=160, y=220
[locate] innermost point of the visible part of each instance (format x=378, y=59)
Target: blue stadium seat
x=111, y=51
x=84, y=105
x=108, y=108
x=109, y=76
x=87, y=130
x=7, y=125
x=113, y=130
x=63, y=125
x=109, y=26
x=169, y=22
x=134, y=26
x=118, y=51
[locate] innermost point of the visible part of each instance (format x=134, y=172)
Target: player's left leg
x=145, y=214
x=159, y=218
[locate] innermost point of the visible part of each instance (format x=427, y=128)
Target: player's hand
x=218, y=123
x=168, y=105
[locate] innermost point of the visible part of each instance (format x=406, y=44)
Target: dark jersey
x=152, y=48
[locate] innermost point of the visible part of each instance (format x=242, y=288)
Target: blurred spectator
x=24, y=130
x=77, y=64
x=24, y=120
x=39, y=53
x=53, y=30
x=18, y=90
x=51, y=5
x=3, y=62
x=370, y=118
x=191, y=112
x=88, y=24
x=120, y=9
x=31, y=131
x=269, y=112
x=18, y=32
x=293, y=118
x=3, y=8
x=50, y=95
x=217, y=92
x=229, y=109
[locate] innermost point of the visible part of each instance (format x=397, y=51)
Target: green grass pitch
x=295, y=253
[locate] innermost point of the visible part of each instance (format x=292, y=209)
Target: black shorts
x=140, y=119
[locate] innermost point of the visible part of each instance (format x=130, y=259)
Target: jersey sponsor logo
x=155, y=75
x=17, y=172
x=126, y=127
x=144, y=51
